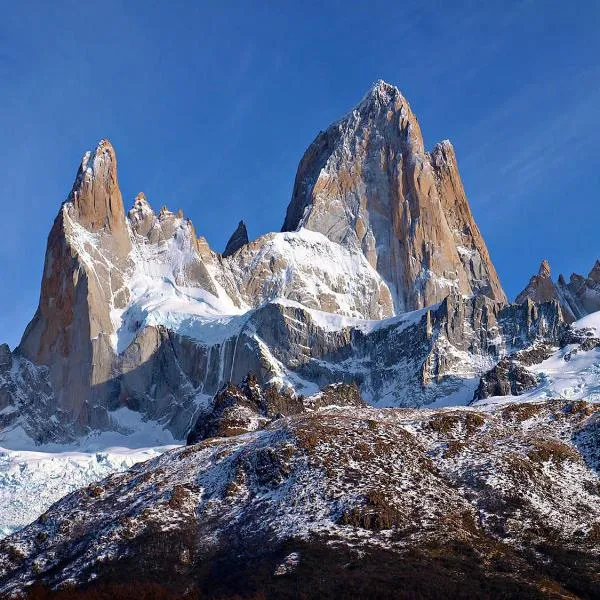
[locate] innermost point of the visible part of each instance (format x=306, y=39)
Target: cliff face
x=83, y=282
x=367, y=182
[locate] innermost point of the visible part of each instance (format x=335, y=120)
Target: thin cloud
x=518, y=155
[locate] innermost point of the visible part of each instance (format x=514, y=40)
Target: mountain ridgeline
x=380, y=278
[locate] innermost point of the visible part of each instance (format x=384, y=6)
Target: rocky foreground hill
x=363, y=407
x=341, y=500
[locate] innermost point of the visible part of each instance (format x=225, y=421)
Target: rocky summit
x=367, y=182
x=354, y=391
x=578, y=298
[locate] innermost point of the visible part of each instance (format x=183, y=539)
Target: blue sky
x=210, y=106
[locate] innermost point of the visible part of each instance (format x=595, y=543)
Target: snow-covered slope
x=570, y=370
x=307, y=267
x=303, y=266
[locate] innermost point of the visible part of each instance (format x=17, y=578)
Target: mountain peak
x=544, y=270
x=141, y=205
x=366, y=182
x=577, y=298
x=141, y=215
x=238, y=239
x=380, y=93
x=95, y=196
x=95, y=162
x=443, y=154
x=383, y=87
x=594, y=274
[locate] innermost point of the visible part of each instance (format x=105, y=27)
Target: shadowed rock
x=238, y=239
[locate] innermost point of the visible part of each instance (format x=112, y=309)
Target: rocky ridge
x=577, y=298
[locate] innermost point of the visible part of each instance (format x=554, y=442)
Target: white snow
x=591, y=321
x=30, y=481
x=307, y=267
x=34, y=477
x=570, y=373
x=336, y=322
x=161, y=294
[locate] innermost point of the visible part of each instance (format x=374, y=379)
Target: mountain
x=578, y=298
x=358, y=398
x=368, y=183
x=140, y=321
x=138, y=314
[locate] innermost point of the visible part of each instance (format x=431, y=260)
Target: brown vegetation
x=545, y=450
x=520, y=412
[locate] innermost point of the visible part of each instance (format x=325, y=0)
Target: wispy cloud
x=521, y=151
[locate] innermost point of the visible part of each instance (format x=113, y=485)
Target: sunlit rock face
x=367, y=182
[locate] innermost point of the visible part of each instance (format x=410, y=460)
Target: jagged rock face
x=583, y=294
x=407, y=361
x=83, y=282
x=510, y=377
x=490, y=491
x=27, y=402
x=578, y=298
x=238, y=239
x=167, y=241
x=541, y=288
x=180, y=325
x=96, y=202
x=367, y=182
x=123, y=298
x=6, y=359
x=526, y=370
x=238, y=409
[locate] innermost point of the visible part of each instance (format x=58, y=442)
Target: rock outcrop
x=308, y=268
x=238, y=239
x=511, y=377
x=367, y=182
x=246, y=407
x=577, y=298
x=28, y=405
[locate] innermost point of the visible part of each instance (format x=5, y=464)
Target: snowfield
x=33, y=477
